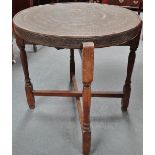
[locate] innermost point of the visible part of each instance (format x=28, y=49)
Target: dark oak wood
x=87, y=78
x=131, y=61
x=80, y=30
x=76, y=93
x=113, y=94
x=28, y=84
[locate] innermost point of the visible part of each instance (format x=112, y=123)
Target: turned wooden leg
x=72, y=64
x=87, y=78
x=131, y=61
x=28, y=84
x=34, y=48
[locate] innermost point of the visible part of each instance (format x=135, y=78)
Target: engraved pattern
x=76, y=19
x=68, y=25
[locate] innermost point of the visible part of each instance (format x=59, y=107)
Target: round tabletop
x=67, y=25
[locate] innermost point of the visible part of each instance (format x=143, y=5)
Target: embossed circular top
x=69, y=24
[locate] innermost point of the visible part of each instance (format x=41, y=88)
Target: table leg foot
x=29, y=95
x=124, y=109
x=126, y=97
x=86, y=137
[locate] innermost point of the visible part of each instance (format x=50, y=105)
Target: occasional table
x=83, y=26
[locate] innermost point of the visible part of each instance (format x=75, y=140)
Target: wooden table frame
x=87, y=56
